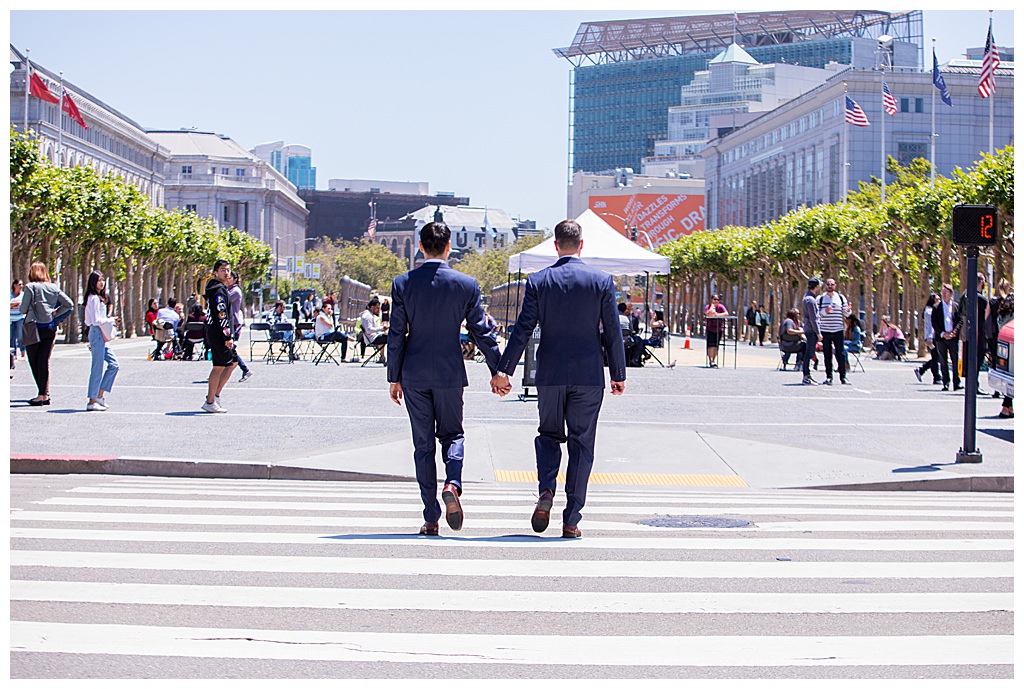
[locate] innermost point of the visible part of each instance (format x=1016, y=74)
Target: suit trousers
x=568, y=413
x=810, y=348
x=949, y=353
x=435, y=413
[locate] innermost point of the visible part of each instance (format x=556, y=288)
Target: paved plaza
x=744, y=424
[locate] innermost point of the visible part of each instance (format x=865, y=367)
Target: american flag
x=888, y=102
x=854, y=115
x=987, y=83
x=372, y=228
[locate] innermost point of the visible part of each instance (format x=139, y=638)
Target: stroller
x=166, y=339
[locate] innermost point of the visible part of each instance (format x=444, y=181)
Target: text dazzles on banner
x=664, y=217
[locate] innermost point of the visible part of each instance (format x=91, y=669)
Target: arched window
x=394, y=246
x=408, y=248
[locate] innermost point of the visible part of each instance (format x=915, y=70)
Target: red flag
x=372, y=229
x=72, y=110
x=37, y=87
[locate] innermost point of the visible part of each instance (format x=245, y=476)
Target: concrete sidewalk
x=643, y=439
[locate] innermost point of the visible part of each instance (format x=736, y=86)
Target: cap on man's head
x=813, y=282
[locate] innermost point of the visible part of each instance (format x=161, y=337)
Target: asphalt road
x=287, y=412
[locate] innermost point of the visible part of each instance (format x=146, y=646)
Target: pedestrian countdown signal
x=974, y=225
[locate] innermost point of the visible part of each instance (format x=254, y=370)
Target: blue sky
x=473, y=102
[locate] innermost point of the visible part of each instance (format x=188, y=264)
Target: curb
x=27, y=464
x=974, y=484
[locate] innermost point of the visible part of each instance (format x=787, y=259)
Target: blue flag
x=939, y=82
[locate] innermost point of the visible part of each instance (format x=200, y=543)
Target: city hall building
x=111, y=143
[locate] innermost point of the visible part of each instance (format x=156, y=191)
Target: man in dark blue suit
x=575, y=306
x=425, y=365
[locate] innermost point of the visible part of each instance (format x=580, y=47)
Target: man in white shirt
x=375, y=332
x=832, y=309
x=169, y=314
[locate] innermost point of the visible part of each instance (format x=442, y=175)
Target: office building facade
x=795, y=155
x=294, y=161
x=628, y=74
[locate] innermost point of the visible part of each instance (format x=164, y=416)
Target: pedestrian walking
x=714, y=314
x=425, y=367
x=812, y=327
x=751, y=317
x=220, y=331
x=762, y=325
x=929, y=341
x=102, y=329
x=42, y=304
x=237, y=298
x=579, y=330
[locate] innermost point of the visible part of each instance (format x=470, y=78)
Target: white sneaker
x=95, y=406
x=246, y=376
x=103, y=404
x=212, y=408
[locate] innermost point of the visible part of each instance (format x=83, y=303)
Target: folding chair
x=281, y=342
x=377, y=353
x=259, y=333
x=325, y=352
x=853, y=360
x=304, y=339
x=163, y=335
x=195, y=333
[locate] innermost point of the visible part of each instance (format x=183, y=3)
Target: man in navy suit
x=425, y=365
x=575, y=306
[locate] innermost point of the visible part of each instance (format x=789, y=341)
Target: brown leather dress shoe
x=571, y=531
x=542, y=513
x=428, y=529
x=452, y=506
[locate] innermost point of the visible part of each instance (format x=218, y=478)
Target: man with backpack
x=833, y=308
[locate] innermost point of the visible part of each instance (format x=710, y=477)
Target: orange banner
x=663, y=217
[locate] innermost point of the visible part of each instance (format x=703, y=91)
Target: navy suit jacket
x=428, y=306
x=575, y=306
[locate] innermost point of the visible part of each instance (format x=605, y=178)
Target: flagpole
x=933, y=120
x=28, y=77
x=846, y=148
x=60, y=125
x=992, y=96
x=882, y=117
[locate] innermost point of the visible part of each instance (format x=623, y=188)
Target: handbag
x=29, y=334
x=108, y=330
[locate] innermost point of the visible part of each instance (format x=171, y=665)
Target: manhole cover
x=695, y=522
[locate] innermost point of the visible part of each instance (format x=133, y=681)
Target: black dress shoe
x=428, y=529
x=945, y=388
x=39, y=403
x=452, y=507
x=957, y=387
x=542, y=512
x=571, y=531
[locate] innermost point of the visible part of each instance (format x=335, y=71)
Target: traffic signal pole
x=969, y=453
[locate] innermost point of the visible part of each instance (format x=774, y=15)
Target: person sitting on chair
x=375, y=332
x=890, y=342
x=634, y=345
x=792, y=339
x=657, y=338
x=278, y=317
x=324, y=330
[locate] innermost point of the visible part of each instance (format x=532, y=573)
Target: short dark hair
x=435, y=237
x=172, y=302
x=568, y=235
x=278, y=303
x=622, y=307
x=813, y=282
x=374, y=301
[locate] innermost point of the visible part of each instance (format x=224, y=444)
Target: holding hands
x=500, y=384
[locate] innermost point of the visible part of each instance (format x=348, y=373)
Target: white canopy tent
x=603, y=248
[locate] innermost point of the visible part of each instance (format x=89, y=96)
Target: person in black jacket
x=946, y=325
x=220, y=331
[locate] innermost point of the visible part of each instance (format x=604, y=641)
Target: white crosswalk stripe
x=276, y=572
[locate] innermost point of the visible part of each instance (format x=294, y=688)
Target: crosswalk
x=231, y=578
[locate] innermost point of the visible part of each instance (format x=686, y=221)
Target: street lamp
x=277, y=264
